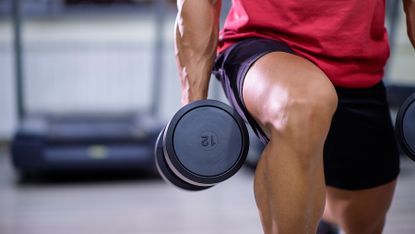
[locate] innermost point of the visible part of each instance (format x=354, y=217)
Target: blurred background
x=85, y=87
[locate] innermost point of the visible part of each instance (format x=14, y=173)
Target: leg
x=361, y=161
x=293, y=102
x=359, y=212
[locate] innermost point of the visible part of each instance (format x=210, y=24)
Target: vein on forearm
x=196, y=32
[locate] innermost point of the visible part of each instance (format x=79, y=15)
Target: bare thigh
x=279, y=81
x=361, y=211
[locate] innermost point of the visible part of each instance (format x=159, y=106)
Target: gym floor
x=145, y=204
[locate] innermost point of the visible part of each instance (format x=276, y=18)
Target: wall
x=104, y=63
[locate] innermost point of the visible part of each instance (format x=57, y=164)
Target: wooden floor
x=135, y=205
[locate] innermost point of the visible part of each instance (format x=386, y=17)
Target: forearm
x=409, y=7
x=196, y=29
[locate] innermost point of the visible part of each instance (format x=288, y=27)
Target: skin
x=289, y=181
x=196, y=36
x=360, y=211
x=409, y=8
x=282, y=92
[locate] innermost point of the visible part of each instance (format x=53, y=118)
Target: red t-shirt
x=345, y=38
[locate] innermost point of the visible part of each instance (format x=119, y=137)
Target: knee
x=312, y=108
x=304, y=111
x=300, y=120
x=293, y=101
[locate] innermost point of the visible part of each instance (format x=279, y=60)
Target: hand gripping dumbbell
x=405, y=126
x=205, y=143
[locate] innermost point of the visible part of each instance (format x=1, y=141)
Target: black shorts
x=360, y=151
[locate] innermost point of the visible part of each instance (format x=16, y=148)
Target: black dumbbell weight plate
x=166, y=172
x=206, y=142
x=405, y=126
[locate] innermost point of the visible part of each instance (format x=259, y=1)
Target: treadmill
x=85, y=142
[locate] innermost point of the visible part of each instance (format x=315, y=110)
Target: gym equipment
x=397, y=93
x=46, y=142
x=405, y=126
x=205, y=143
x=327, y=228
x=85, y=143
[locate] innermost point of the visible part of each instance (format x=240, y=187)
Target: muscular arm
x=196, y=35
x=409, y=7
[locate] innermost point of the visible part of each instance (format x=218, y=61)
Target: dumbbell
x=405, y=126
x=205, y=143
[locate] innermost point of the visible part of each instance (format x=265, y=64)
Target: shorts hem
x=362, y=186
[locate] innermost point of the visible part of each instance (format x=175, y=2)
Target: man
x=307, y=77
